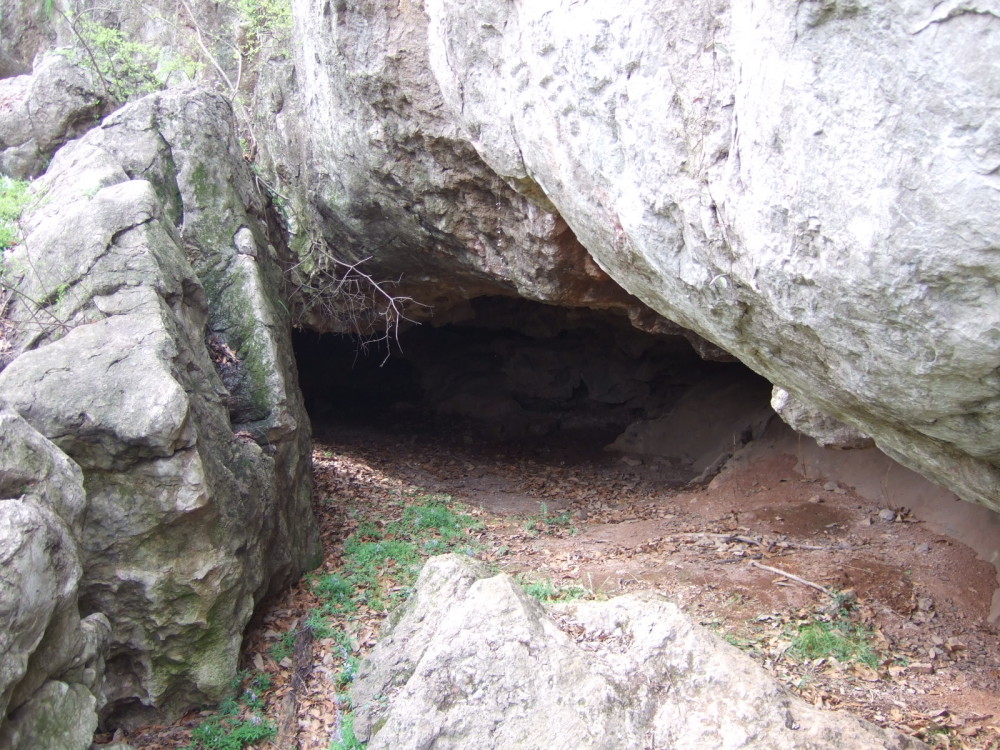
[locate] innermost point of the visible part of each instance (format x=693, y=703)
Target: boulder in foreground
x=473, y=661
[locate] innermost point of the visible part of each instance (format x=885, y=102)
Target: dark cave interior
x=536, y=375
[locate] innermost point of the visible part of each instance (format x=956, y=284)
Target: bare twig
x=360, y=303
x=288, y=725
x=35, y=308
x=782, y=544
x=211, y=58
x=90, y=53
x=792, y=577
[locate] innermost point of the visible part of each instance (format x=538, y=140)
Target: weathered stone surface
x=395, y=179
x=41, y=111
x=824, y=429
x=187, y=524
x=811, y=188
x=43, y=637
x=475, y=662
x=110, y=396
x=58, y=717
x=23, y=33
x=703, y=429
x=40, y=575
x=30, y=463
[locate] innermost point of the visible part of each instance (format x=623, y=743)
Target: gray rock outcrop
x=473, y=661
x=824, y=429
x=152, y=350
x=39, y=112
x=51, y=660
x=809, y=187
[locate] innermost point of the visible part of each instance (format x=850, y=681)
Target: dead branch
x=34, y=308
x=233, y=88
x=791, y=577
x=356, y=299
x=288, y=720
x=71, y=22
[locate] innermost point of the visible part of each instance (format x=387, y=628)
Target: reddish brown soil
x=593, y=520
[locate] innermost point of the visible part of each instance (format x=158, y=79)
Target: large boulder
x=152, y=349
x=809, y=187
x=473, y=661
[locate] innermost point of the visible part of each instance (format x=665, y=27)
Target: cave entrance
x=542, y=378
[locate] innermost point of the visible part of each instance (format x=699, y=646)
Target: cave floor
x=566, y=516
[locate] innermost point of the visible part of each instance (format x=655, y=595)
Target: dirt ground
x=753, y=555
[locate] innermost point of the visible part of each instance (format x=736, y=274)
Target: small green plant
x=547, y=522
x=127, y=68
x=261, y=20
x=231, y=733
x=349, y=671
x=14, y=197
x=336, y=592
x=284, y=647
x=348, y=740
x=844, y=640
x=547, y=591
x=239, y=721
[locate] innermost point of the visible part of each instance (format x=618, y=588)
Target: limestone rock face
x=824, y=429
x=810, y=187
x=62, y=717
x=40, y=112
x=394, y=178
x=149, y=335
x=475, y=662
x=51, y=661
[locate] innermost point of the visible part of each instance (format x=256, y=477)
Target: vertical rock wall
x=154, y=352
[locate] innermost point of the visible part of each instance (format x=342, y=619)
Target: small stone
x=953, y=645
x=920, y=668
x=815, y=499
x=924, y=548
x=887, y=514
x=830, y=487
x=631, y=461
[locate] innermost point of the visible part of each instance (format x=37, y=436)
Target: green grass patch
x=14, y=197
x=843, y=640
x=348, y=740
x=240, y=721
x=336, y=591
x=381, y=561
x=545, y=522
x=547, y=591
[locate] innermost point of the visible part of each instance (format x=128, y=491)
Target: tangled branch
x=354, y=300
